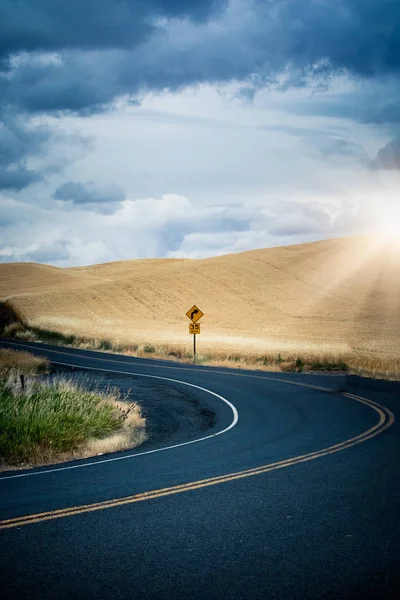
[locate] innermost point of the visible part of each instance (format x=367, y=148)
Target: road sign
x=194, y=314
x=194, y=328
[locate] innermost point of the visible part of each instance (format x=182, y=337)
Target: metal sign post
x=194, y=314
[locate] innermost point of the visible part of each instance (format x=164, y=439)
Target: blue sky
x=141, y=128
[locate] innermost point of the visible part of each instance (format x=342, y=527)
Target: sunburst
x=389, y=225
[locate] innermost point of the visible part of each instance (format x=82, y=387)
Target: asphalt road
x=293, y=493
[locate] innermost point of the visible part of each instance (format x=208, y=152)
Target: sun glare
x=390, y=226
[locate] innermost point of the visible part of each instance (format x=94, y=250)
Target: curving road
x=293, y=493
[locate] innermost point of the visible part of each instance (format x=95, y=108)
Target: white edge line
x=108, y=460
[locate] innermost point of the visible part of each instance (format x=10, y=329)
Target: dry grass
x=52, y=420
x=380, y=366
x=330, y=302
x=12, y=361
x=131, y=434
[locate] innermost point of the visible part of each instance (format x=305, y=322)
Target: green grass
x=149, y=349
x=50, y=418
x=105, y=345
x=54, y=337
x=325, y=365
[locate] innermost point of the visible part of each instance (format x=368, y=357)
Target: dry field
x=324, y=301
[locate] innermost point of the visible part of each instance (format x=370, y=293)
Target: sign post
x=194, y=314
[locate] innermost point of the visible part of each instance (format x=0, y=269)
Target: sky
x=192, y=128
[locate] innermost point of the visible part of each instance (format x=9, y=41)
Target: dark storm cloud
x=14, y=141
x=116, y=48
x=17, y=179
x=371, y=101
x=388, y=157
x=17, y=143
x=84, y=78
x=361, y=36
x=21, y=141
x=88, y=192
x=53, y=25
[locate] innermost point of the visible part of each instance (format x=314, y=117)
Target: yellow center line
x=386, y=419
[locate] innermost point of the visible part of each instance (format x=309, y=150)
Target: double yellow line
x=386, y=419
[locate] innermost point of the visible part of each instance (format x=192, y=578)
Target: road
x=293, y=493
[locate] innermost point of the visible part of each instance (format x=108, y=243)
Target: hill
x=344, y=293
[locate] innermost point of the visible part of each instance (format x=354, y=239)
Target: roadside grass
x=52, y=419
x=277, y=357
x=271, y=356
x=19, y=331
x=292, y=358
x=22, y=363
x=379, y=367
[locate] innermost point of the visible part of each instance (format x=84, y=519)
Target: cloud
x=341, y=147
x=88, y=192
x=18, y=142
x=355, y=219
x=51, y=25
x=287, y=74
x=45, y=253
x=30, y=151
x=16, y=138
x=292, y=219
x=14, y=212
x=170, y=225
x=368, y=101
x=388, y=157
x=17, y=179
x=104, y=199
x=143, y=228
x=67, y=59
x=329, y=144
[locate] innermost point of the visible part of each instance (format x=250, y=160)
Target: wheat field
x=336, y=298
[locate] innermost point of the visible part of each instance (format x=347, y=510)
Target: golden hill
x=343, y=293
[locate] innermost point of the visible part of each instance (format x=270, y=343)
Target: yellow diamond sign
x=194, y=314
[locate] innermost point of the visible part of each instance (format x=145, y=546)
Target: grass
x=23, y=363
x=58, y=418
x=149, y=349
x=270, y=356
